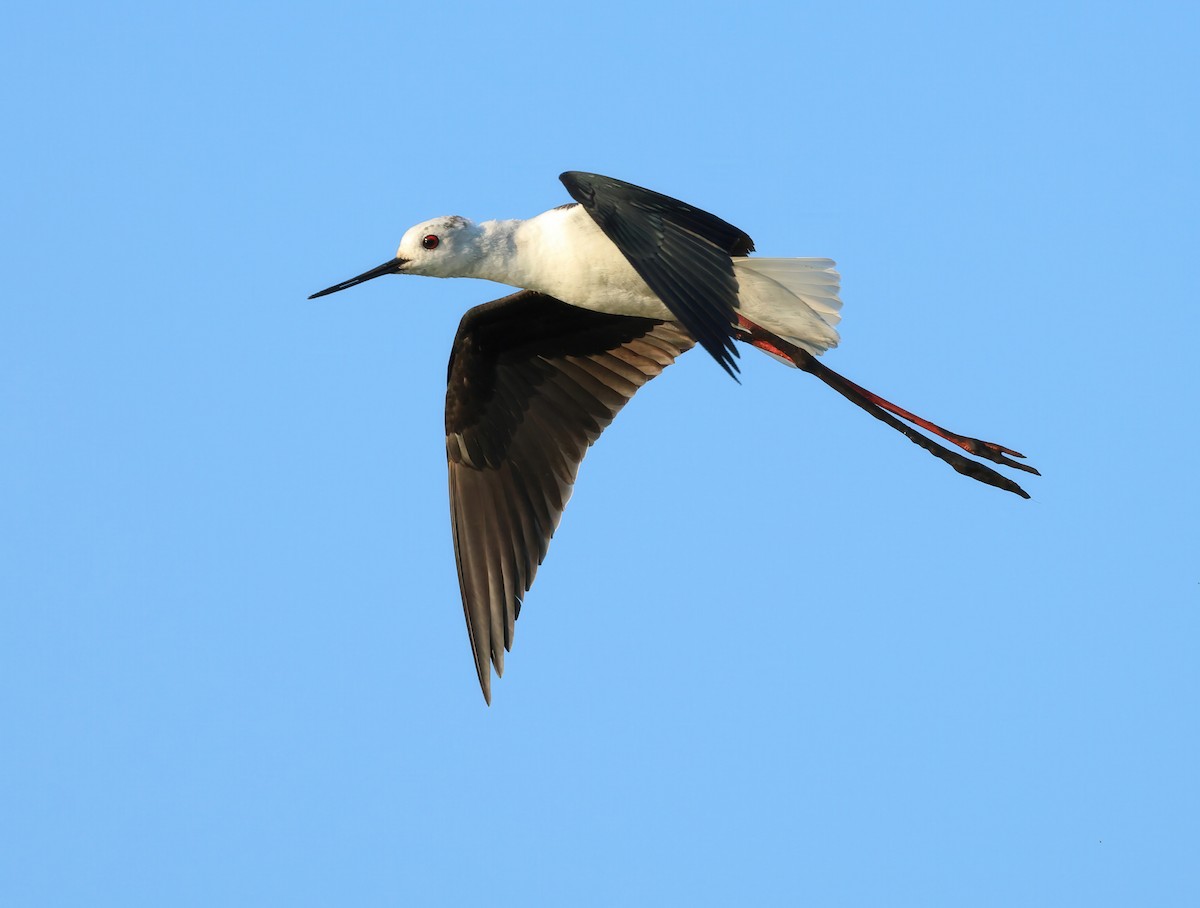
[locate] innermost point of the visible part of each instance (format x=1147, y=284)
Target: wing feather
x=532, y=383
x=681, y=252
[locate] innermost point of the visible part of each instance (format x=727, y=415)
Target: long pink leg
x=881, y=409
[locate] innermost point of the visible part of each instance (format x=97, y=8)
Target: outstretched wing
x=682, y=253
x=532, y=383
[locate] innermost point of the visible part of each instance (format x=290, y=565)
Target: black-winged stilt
x=614, y=287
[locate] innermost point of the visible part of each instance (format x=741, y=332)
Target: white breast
x=564, y=253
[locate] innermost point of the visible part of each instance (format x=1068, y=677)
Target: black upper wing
x=682, y=253
x=532, y=383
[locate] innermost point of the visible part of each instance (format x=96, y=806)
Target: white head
x=442, y=247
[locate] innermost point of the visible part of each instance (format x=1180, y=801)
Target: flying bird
x=614, y=287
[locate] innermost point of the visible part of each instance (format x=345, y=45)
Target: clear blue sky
x=777, y=654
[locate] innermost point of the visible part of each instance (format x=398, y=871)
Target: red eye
x=430, y=241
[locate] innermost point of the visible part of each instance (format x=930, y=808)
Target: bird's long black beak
x=392, y=267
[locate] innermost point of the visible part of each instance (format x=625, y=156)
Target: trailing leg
x=882, y=410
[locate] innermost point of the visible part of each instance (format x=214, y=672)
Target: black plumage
x=532, y=382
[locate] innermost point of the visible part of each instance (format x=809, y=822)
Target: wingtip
x=727, y=357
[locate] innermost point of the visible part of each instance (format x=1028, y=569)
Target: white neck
x=562, y=253
x=499, y=255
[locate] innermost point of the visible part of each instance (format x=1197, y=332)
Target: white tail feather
x=794, y=298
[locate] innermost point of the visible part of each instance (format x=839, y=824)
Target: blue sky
x=777, y=655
